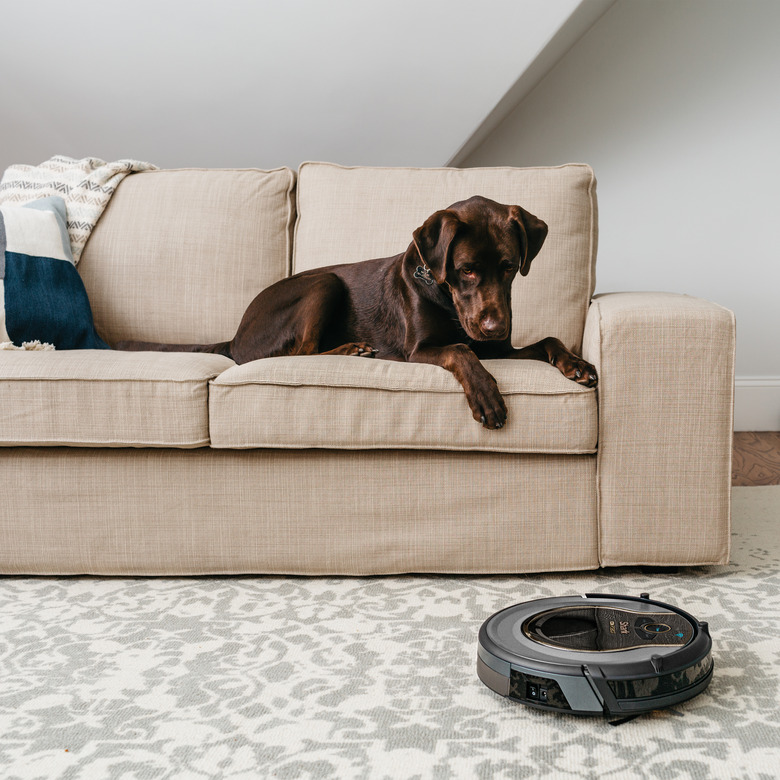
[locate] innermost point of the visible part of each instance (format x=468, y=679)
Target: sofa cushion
x=349, y=214
x=179, y=254
x=103, y=398
x=341, y=402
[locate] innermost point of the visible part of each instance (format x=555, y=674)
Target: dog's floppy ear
x=532, y=232
x=434, y=241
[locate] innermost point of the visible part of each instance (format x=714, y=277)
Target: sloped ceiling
x=264, y=83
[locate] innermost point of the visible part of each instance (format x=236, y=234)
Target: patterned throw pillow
x=42, y=297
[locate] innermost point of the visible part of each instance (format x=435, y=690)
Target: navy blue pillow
x=43, y=297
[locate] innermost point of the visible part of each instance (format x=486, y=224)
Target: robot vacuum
x=595, y=654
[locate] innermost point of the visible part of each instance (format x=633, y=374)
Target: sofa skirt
x=311, y=512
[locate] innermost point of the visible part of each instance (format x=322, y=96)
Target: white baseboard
x=757, y=403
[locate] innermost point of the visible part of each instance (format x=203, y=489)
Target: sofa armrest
x=666, y=399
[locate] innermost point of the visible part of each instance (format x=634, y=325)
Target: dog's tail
x=222, y=348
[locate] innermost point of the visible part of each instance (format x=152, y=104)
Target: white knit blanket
x=86, y=185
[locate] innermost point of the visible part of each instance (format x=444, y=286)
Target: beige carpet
x=253, y=677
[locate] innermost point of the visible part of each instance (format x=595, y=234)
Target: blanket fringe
x=30, y=346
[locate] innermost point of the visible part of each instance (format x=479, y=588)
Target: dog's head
x=475, y=248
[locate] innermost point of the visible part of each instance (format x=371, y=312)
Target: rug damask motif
x=287, y=677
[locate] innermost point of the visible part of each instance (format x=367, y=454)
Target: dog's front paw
x=576, y=369
x=487, y=404
x=570, y=365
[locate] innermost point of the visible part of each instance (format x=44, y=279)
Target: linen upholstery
x=350, y=214
x=204, y=511
x=178, y=255
x=105, y=398
x=666, y=397
x=342, y=402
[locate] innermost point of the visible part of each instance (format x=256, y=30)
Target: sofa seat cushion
x=103, y=398
x=342, y=402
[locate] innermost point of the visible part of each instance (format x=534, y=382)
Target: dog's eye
x=509, y=269
x=468, y=272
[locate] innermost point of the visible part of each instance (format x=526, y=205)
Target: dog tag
x=422, y=272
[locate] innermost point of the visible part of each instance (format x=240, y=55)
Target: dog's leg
x=551, y=350
x=317, y=310
x=482, y=393
x=321, y=305
x=302, y=315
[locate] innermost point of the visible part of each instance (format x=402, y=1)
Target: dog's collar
x=424, y=273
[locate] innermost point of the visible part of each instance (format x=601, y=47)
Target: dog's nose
x=492, y=326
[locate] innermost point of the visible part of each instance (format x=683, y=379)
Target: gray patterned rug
x=253, y=677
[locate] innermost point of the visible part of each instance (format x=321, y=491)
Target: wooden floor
x=756, y=458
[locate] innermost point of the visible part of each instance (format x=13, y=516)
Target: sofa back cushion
x=350, y=214
x=179, y=254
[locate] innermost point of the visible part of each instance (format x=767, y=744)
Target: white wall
x=676, y=105
x=259, y=83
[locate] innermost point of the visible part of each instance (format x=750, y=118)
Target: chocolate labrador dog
x=446, y=300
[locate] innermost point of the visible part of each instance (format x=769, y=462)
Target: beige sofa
x=153, y=463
